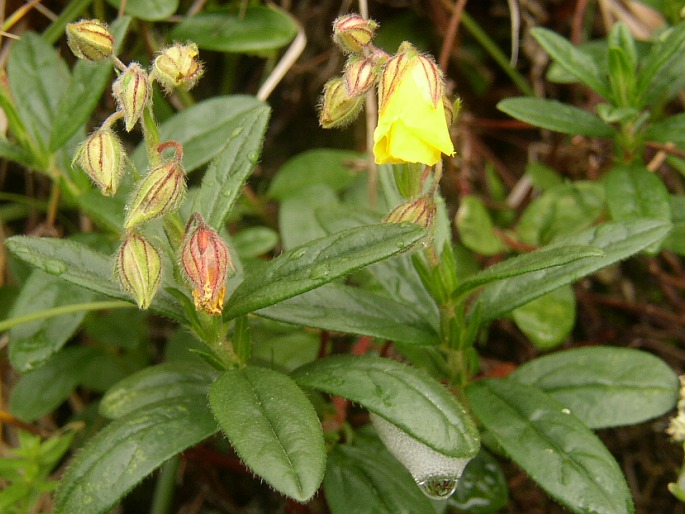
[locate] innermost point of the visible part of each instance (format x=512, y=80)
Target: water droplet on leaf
x=320, y=271
x=55, y=267
x=253, y=157
x=298, y=254
x=236, y=131
x=438, y=488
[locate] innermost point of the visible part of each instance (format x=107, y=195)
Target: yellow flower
x=412, y=126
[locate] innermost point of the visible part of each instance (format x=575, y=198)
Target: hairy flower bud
x=207, y=263
x=90, y=40
x=177, y=66
x=412, y=123
x=160, y=192
x=419, y=212
x=103, y=158
x=360, y=75
x=352, y=33
x=338, y=108
x=139, y=268
x=132, y=93
x=436, y=474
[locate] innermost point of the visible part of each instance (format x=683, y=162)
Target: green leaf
x=622, y=64
x=554, y=115
x=604, y=386
x=555, y=448
x=482, y=488
x=676, y=239
x=633, y=192
x=548, y=320
x=321, y=261
x=229, y=170
x=273, y=428
x=84, y=92
x=163, y=382
x=334, y=168
x=618, y=240
x=31, y=344
x=669, y=130
x=208, y=127
x=365, y=478
x=347, y=309
x=561, y=210
x=654, y=78
x=79, y=265
x=251, y=242
x=543, y=258
x=39, y=392
x=573, y=60
x=14, y=152
x=148, y=10
x=256, y=29
x=475, y=227
x=297, y=219
x=38, y=79
x=130, y=448
x=402, y=395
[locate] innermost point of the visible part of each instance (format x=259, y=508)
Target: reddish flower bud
x=160, y=192
x=132, y=92
x=338, y=107
x=139, y=269
x=419, y=212
x=177, y=66
x=352, y=33
x=360, y=75
x=103, y=158
x=207, y=263
x=90, y=40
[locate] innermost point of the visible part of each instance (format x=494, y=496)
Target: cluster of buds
x=161, y=191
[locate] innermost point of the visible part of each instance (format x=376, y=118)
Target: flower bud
x=177, y=66
x=338, y=108
x=352, y=33
x=436, y=474
x=160, y=192
x=132, y=93
x=103, y=158
x=90, y=40
x=139, y=269
x=360, y=75
x=419, y=212
x=207, y=263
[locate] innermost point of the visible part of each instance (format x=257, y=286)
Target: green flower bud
x=360, y=75
x=132, y=93
x=177, y=66
x=207, y=263
x=160, y=192
x=338, y=108
x=90, y=40
x=139, y=269
x=352, y=33
x=436, y=474
x=103, y=158
x=420, y=211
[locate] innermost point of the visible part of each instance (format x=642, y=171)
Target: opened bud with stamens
x=90, y=40
x=139, y=268
x=132, y=93
x=177, y=66
x=352, y=33
x=412, y=122
x=338, y=107
x=160, y=192
x=207, y=264
x=103, y=158
x=420, y=211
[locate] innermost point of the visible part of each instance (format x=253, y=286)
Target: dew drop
x=253, y=157
x=438, y=488
x=400, y=244
x=236, y=131
x=566, y=411
x=55, y=267
x=320, y=271
x=298, y=254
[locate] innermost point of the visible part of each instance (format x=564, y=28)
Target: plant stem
x=501, y=59
x=151, y=136
x=165, y=486
x=64, y=309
